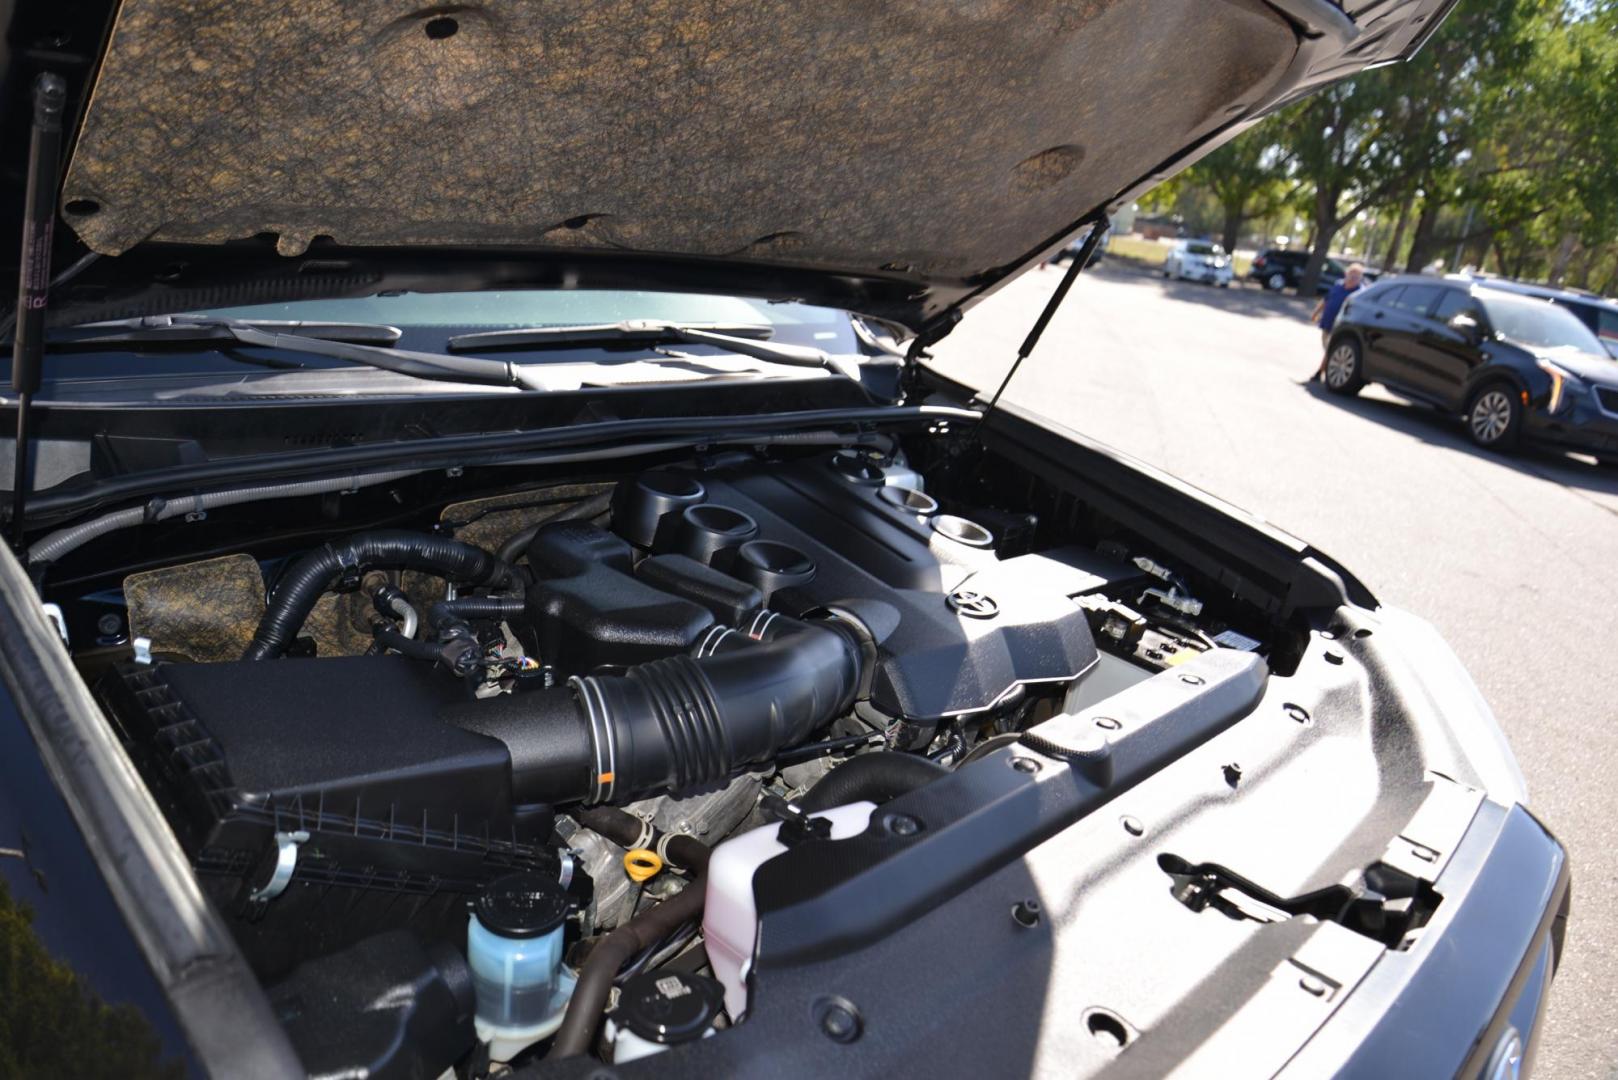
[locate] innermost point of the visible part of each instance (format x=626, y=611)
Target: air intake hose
x=317, y=571
x=676, y=723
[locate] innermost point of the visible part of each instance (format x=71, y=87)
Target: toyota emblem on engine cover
x=973, y=604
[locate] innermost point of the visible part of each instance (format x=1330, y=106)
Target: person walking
x=1325, y=313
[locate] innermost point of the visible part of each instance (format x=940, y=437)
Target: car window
x=1539, y=324
x=1415, y=299
x=1607, y=329
x=1198, y=248
x=1453, y=303
x=793, y=323
x=1385, y=294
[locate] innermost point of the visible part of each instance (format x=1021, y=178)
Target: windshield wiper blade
x=628, y=332
x=150, y=329
x=743, y=340
x=420, y=365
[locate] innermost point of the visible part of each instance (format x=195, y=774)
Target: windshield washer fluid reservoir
x=514, y=947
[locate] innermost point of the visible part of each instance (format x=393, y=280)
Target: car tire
x=1344, y=369
x=1494, y=416
x=1276, y=281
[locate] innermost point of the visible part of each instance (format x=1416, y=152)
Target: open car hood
x=901, y=160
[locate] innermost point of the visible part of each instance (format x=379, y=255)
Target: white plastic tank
x=730, y=917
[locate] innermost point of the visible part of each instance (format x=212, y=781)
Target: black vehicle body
x=1279, y=268
x=1117, y=700
x=1596, y=312
x=1407, y=343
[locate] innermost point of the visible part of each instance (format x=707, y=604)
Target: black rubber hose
x=625, y=829
x=601, y=967
x=876, y=778
x=459, y=656
x=313, y=574
x=676, y=723
x=465, y=608
x=517, y=545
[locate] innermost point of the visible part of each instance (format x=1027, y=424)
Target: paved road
x=1514, y=559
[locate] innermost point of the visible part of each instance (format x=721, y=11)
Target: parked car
x=1198, y=260
x=1515, y=366
x=500, y=588
x=1596, y=312
x=1070, y=251
x=1279, y=268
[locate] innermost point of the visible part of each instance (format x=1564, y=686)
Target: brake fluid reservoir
x=730, y=918
x=514, y=947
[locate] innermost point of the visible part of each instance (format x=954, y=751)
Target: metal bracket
x=53, y=612
x=286, y=861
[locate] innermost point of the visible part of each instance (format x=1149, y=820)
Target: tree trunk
x=1586, y=263
x=1564, y=255
x=1477, y=249
x=1324, y=229
x=1233, y=228
x=1424, y=243
x=1390, y=257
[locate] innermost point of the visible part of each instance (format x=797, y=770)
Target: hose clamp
x=604, y=780
x=761, y=625
x=662, y=850
x=286, y=861
x=709, y=644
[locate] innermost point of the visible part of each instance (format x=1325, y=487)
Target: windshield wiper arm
x=148, y=329
x=628, y=332
x=420, y=365
x=741, y=339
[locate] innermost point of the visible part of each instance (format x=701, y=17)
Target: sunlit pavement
x=1515, y=559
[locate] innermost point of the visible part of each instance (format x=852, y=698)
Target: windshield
x=561, y=307
x=427, y=322
x=1538, y=324
x=1199, y=248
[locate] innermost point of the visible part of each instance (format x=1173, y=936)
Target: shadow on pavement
x=1438, y=428
x=1241, y=298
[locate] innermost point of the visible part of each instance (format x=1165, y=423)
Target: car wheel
x=1494, y=417
x=1276, y=282
x=1165, y=268
x=1344, y=374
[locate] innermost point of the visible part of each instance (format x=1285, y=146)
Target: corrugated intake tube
x=675, y=723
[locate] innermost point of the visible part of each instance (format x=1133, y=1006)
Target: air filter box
x=389, y=817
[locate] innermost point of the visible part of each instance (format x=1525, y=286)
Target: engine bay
x=512, y=772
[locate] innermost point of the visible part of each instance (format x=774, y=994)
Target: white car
x=1198, y=260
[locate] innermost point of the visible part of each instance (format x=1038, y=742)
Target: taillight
x=1258, y=262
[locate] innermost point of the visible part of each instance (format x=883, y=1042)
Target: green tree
x=1247, y=178
x=53, y=1025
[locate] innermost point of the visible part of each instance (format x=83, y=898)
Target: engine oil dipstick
x=642, y=865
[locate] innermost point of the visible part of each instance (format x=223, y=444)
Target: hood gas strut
x=34, y=274
x=1098, y=229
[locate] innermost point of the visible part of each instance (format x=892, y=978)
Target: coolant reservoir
x=730, y=918
x=514, y=947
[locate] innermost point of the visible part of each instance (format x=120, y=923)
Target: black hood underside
x=898, y=159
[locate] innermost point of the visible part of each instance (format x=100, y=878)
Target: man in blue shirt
x=1325, y=313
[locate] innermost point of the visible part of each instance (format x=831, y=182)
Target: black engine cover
x=958, y=628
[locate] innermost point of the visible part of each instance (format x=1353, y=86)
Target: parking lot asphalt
x=1514, y=559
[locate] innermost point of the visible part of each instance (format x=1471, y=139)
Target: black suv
x=1596, y=312
x=1277, y=269
x=1515, y=366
